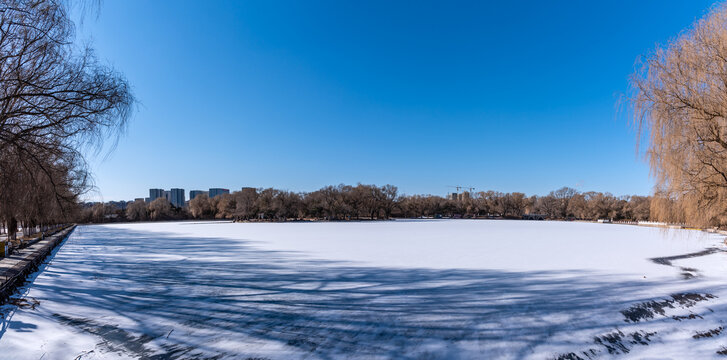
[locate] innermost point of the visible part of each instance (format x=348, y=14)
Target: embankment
x=14, y=269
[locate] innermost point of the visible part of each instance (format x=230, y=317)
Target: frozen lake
x=438, y=289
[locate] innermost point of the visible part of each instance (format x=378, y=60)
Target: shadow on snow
x=223, y=290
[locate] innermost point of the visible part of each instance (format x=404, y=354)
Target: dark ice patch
x=687, y=317
x=583, y=355
x=569, y=356
x=649, y=309
x=641, y=337
x=615, y=342
x=708, y=333
x=668, y=259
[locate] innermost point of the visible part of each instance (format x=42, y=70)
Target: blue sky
x=509, y=96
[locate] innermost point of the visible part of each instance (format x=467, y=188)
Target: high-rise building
x=193, y=193
x=176, y=197
x=218, y=191
x=248, y=193
x=167, y=195
x=155, y=194
x=463, y=196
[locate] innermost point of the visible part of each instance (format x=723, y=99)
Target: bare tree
x=201, y=207
x=160, y=209
x=562, y=197
x=55, y=102
x=389, y=199
x=245, y=201
x=548, y=206
x=679, y=98
x=137, y=211
x=225, y=206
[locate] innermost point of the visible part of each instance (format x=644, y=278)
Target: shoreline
x=15, y=268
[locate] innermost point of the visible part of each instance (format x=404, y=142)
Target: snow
x=414, y=289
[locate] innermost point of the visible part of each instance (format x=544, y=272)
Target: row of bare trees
x=565, y=203
x=341, y=202
x=56, y=103
x=347, y=202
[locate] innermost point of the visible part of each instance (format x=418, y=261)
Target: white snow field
x=420, y=289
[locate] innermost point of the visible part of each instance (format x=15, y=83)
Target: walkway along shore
x=15, y=268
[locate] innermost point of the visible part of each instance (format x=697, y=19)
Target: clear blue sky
x=509, y=96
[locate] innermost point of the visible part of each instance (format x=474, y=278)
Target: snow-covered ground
x=439, y=289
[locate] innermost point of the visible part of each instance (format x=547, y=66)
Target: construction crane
x=455, y=187
x=460, y=188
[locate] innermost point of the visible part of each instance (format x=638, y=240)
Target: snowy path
x=403, y=289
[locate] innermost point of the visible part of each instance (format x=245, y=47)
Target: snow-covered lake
x=438, y=289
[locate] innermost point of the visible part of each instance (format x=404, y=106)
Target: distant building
x=176, y=197
x=193, y=193
x=121, y=205
x=248, y=193
x=155, y=194
x=463, y=196
x=218, y=191
x=139, y=199
x=168, y=195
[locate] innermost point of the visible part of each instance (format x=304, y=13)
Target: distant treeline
x=347, y=202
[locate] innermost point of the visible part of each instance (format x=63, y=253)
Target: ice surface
x=438, y=289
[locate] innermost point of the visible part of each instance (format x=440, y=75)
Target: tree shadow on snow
x=216, y=290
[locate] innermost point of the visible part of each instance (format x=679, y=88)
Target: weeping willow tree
x=56, y=102
x=679, y=98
